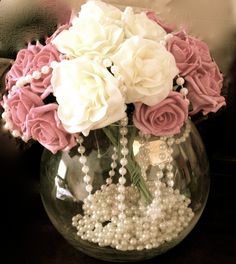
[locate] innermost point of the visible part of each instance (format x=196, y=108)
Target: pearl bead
x=83, y=159
x=122, y=180
x=123, y=161
x=163, y=146
x=124, y=151
x=170, y=175
x=180, y=81
x=112, y=173
x=87, y=178
x=45, y=69
x=122, y=171
x=170, y=141
x=114, y=156
x=28, y=78
x=123, y=141
x=121, y=197
x=184, y=91
x=80, y=140
x=159, y=174
x=89, y=188
x=85, y=169
x=169, y=167
x=36, y=75
x=8, y=125
x=124, y=121
x=170, y=183
x=25, y=138
x=123, y=131
x=81, y=149
x=162, y=156
x=121, y=216
x=4, y=115
x=108, y=180
x=18, y=83
x=113, y=165
x=121, y=188
x=15, y=133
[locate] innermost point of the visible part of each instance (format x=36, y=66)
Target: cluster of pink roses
x=202, y=79
x=32, y=117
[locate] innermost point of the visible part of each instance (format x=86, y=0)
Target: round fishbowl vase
x=124, y=196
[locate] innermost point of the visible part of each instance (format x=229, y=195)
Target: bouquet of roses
x=90, y=69
x=139, y=81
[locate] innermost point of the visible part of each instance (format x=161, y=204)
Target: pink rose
x=204, y=89
x=22, y=64
x=165, y=118
x=19, y=105
x=152, y=15
x=46, y=55
x=190, y=53
x=44, y=126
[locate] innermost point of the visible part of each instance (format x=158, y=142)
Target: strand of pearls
x=183, y=90
x=20, y=83
x=127, y=223
x=85, y=168
x=169, y=167
x=113, y=166
x=36, y=75
x=123, y=162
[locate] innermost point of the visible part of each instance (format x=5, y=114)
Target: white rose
x=99, y=11
x=88, y=95
x=90, y=37
x=140, y=25
x=147, y=70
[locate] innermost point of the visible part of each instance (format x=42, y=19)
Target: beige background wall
x=212, y=20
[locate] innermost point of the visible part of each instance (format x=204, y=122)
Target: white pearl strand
x=20, y=83
x=134, y=225
x=122, y=171
x=184, y=91
x=113, y=166
x=85, y=168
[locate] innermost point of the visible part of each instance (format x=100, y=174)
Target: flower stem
x=132, y=166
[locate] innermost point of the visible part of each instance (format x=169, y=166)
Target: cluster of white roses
x=112, y=58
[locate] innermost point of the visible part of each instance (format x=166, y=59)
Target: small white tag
x=62, y=169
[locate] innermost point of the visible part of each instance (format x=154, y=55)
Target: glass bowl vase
x=122, y=196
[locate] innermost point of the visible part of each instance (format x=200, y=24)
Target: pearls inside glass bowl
x=96, y=203
x=117, y=215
